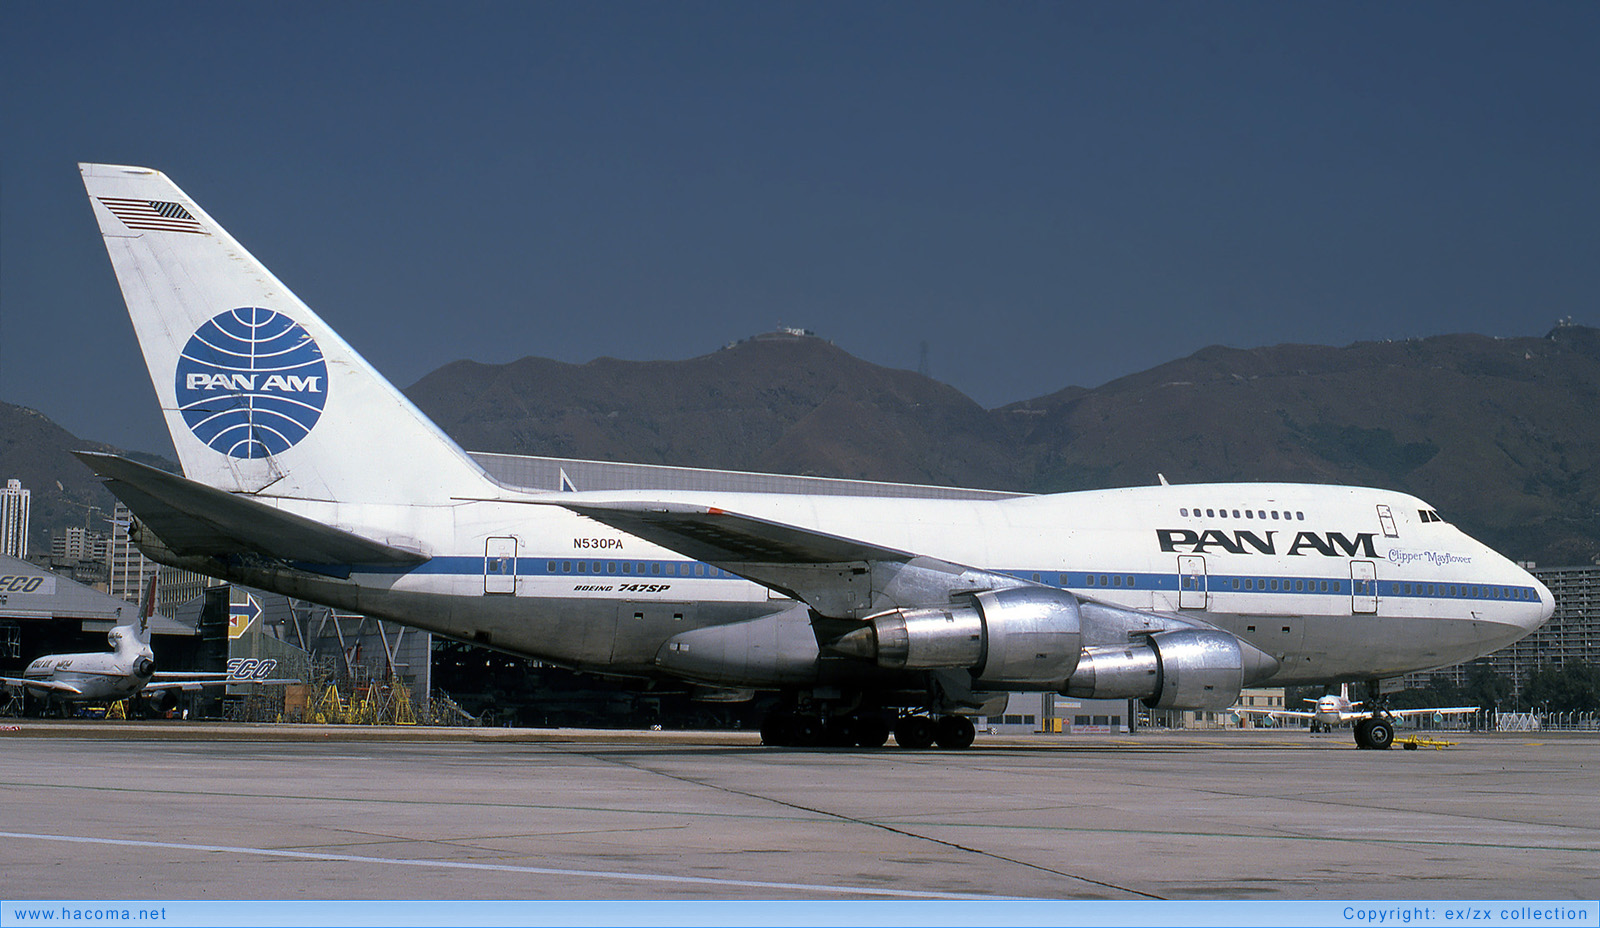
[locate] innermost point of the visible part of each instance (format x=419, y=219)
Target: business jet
x=127, y=671
x=880, y=609
x=1335, y=710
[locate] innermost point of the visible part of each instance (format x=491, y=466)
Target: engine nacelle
x=1191, y=668
x=1028, y=637
x=162, y=700
x=773, y=650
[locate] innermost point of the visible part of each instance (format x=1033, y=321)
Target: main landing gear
x=791, y=729
x=1375, y=732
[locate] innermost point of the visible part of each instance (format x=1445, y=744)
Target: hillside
x=1500, y=434
x=787, y=404
x=36, y=451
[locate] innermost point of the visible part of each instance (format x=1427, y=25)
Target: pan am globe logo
x=251, y=383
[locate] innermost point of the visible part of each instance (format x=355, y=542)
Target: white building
x=14, y=503
x=129, y=569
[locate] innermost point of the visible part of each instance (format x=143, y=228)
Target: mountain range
x=1502, y=435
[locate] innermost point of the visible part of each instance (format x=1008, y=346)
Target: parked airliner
x=1332, y=710
x=878, y=611
x=127, y=671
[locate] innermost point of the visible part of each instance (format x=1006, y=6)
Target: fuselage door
x=1386, y=519
x=1363, y=588
x=500, y=565
x=1191, y=581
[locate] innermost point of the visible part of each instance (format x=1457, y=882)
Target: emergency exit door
x=500, y=565
x=1363, y=588
x=1191, y=581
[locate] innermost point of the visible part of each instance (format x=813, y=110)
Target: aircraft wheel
x=839, y=732
x=777, y=729
x=871, y=732
x=1380, y=734
x=915, y=732
x=808, y=731
x=954, y=732
x=1361, y=730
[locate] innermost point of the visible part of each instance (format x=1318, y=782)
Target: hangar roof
x=29, y=592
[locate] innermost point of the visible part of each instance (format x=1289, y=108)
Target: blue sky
x=1045, y=194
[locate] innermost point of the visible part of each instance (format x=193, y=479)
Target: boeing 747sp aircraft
x=308, y=474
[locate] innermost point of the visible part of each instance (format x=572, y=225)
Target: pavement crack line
x=966, y=849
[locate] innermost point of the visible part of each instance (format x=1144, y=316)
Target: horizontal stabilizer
x=50, y=685
x=194, y=520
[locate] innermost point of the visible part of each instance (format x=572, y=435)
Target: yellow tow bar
x=1414, y=742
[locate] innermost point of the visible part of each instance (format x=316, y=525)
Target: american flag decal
x=152, y=215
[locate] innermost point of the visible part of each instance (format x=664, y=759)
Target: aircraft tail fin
x=260, y=395
x=147, y=610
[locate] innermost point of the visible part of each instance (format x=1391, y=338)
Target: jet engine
x=1189, y=668
x=1022, y=638
x=162, y=700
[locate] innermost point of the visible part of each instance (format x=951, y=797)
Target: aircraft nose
x=1547, y=604
x=1536, y=613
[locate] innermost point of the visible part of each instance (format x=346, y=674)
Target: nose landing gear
x=1375, y=732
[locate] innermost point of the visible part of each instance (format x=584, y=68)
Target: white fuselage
x=98, y=676
x=1333, y=582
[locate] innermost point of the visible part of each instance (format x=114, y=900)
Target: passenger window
x=1274, y=515
x=655, y=568
x=1261, y=513
x=1130, y=581
x=566, y=567
x=1249, y=514
x=1116, y=581
x=1236, y=513
x=1184, y=513
x=550, y=567
x=1211, y=513
x=1091, y=579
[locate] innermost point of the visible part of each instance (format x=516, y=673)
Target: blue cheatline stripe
x=1090, y=582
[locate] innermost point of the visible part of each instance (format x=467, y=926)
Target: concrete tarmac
x=169, y=810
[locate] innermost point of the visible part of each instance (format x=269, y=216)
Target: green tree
x=1486, y=689
x=1573, y=688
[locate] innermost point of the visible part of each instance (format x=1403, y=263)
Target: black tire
x=777, y=729
x=954, y=732
x=1380, y=735
x=871, y=732
x=839, y=732
x=915, y=732
x=808, y=731
x=1361, y=728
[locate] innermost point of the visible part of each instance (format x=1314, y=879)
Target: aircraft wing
x=836, y=576
x=1275, y=713
x=717, y=536
x=51, y=685
x=1453, y=710
x=192, y=519
x=193, y=686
